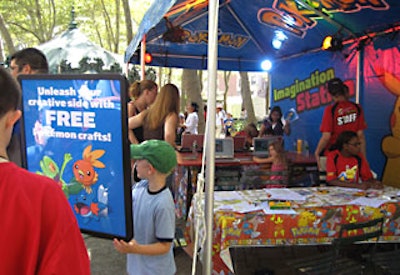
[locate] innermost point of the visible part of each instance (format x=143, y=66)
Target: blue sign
x=75, y=132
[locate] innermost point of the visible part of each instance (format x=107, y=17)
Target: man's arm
x=323, y=141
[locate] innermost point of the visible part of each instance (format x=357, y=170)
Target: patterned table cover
x=243, y=218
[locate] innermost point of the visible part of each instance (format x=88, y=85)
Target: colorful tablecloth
x=244, y=217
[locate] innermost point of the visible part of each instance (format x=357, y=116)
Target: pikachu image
x=391, y=143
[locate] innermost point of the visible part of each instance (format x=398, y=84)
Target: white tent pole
x=213, y=6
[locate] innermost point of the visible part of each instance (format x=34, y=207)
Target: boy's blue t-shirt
x=153, y=221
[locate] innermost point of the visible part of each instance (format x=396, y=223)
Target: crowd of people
x=54, y=243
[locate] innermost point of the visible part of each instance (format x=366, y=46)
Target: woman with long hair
x=279, y=165
x=274, y=124
x=142, y=94
x=160, y=120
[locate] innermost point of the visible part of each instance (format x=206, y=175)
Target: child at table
x=279, y=165
x=347, y=166
x=150, y=252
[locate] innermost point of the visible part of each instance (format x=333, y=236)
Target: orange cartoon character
x=84, y=169
x=391, y=144
x=89, y=203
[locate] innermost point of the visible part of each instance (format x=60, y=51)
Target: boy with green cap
x=151, y=249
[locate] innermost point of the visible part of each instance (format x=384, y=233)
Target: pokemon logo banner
x=177, y=35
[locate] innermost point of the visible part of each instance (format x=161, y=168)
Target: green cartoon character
x=50, y=169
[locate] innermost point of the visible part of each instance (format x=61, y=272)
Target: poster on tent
x=74, y=129
x=299, y=85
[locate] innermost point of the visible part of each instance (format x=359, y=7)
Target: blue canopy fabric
x=246, y=29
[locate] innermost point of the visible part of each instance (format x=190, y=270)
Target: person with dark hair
x=28, y=61
x=181, y=129
x=39, y=232
x=142, y=94
x=250, y=132
x=347, y=167
x=192, y=119
x=25, y=61
x=228, y=124
x=342, y=115
x=274, y=124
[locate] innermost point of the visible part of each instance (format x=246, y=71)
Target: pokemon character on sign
x=50, y=169
x=88, y=204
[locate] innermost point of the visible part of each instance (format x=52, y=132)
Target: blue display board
x=74, y=130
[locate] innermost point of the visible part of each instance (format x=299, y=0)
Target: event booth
x=364, y=51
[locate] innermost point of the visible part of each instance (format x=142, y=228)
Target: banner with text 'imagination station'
x=74, y=131
x=299, y=84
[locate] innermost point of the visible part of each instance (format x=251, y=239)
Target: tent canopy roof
x=247, y=29
x=72, y=45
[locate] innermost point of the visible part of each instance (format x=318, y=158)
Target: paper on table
x=233, y=201
x=283, y=194
x=373, y=202
x=226, y=195
x=236, y=206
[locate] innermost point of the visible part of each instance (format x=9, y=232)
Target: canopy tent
x=71, y=46
x=177, y=35
x=246, y=31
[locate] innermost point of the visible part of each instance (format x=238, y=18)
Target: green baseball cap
x=158, y=152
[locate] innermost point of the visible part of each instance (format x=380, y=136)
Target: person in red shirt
x=39, y=232
x=342, y=115
x=347, y=167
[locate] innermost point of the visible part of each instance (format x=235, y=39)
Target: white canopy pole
x=213, y=6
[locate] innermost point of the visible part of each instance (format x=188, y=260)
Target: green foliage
x=33, y=22
x=86, y=66
x=134, y=75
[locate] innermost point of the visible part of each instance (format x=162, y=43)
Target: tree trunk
x=227, y=76
x=191, y=84
x=6, y=36
x=169, y=75
x=109, y=29
x=247, y=100
x=128, y=21
x=117, y=25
